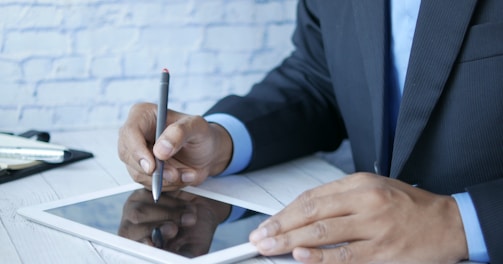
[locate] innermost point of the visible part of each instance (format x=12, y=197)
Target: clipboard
x=7, y=175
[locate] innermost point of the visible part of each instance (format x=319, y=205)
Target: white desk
x=22, y=241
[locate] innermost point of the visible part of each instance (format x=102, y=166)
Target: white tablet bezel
x=38, y=214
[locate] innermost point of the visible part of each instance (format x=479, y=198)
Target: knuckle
x=137, y=215
x=176, y=132
x=197, y=119
x=196, y=123
x=274, y=227
x=200, y=178
x=122, y=151
x=320, y=231
x=307, y=204
x=136, y=177
x=285, y=241
x=122, y=147
x=141, y=107
x=177, y=129
x=363, y=177
x=125, y=229
x=378, y=195
x=344, y=254
x=125, y=155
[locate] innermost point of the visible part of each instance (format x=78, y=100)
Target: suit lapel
x=371, y=21
x=438, y=38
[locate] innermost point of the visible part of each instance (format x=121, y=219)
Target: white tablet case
x=39, y=214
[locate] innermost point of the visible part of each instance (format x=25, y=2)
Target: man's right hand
x=191, y=148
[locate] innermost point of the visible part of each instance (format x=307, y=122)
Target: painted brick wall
x=67, y=64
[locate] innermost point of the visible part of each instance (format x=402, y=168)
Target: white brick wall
x=67, y=64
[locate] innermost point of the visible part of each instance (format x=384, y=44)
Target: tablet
x=187, y=226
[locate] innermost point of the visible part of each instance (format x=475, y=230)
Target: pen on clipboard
x=29, y=153
x=162, y=109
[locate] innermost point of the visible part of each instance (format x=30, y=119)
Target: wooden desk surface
x=22, y=241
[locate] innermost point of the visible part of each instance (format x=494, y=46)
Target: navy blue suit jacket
x=449, y=135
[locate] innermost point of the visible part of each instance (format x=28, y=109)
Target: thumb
x=174, y=137
x=163, y=149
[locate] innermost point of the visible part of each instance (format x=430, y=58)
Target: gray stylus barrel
x=162, y=109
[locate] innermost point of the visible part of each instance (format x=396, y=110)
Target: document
x=22, y=144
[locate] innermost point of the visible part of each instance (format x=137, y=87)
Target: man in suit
x=416, y=86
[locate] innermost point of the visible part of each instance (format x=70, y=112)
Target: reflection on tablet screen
x=182, y=223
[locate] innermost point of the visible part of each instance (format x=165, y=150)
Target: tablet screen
x=180, y=222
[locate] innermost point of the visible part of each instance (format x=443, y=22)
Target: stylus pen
x=162, y=109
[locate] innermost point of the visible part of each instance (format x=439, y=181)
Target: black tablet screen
x=180, y=222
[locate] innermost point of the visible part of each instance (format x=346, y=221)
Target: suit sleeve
x=487, y=199
x=292, y=112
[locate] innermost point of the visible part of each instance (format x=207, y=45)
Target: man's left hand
x=366, y=218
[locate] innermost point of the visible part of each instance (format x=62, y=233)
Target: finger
x=337, y=198
x=190, y=176
x=140, y=177
x=172, y=176
x=357, y=252
x=140, y=195
x=183, y=213
x=176, y=175
x=326, y=200
x=172, y=139
x=184, y=129
x=143, y=232
x=348, y=183
x=169, y=230
x=321, y=233
x=143, y=197
x=134, y=231
x=305, y=210
x=137, y=155
x=179, y=213
x=147, y=241
x=136, y=138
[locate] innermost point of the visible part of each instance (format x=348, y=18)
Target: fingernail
x=301, y=253
x=169, y=230
x=145, y=165
x=166, y=148
x=258, y=234
x=266, y=222
x=188, y=219
x=188, y=177
x=267, y=244
x=168, y=177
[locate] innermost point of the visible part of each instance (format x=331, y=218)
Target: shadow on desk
x=341, y=158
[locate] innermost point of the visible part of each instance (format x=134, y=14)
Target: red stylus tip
x=165, y=70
